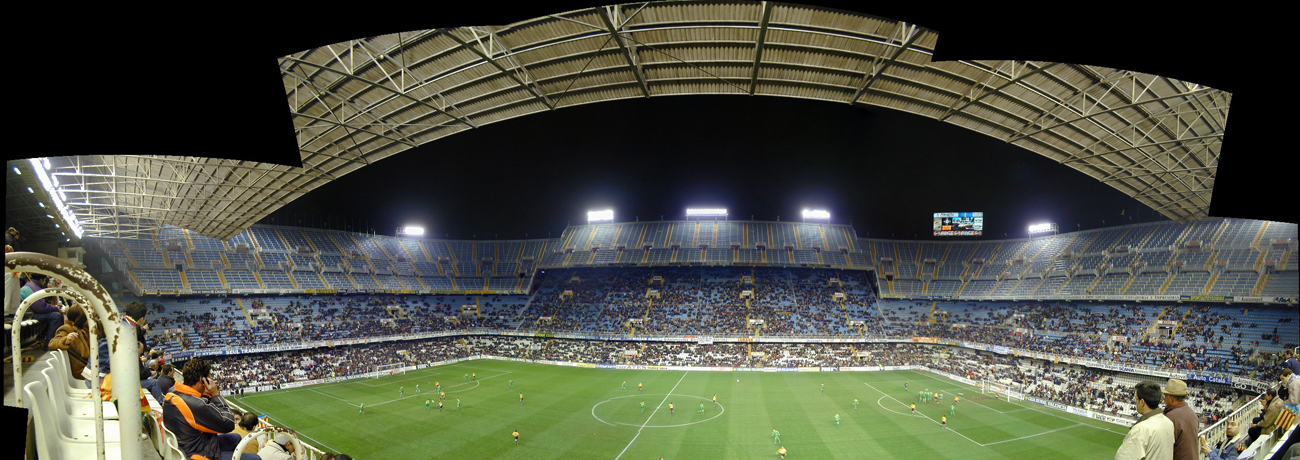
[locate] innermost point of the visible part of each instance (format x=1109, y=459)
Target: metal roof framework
x=1154, y=138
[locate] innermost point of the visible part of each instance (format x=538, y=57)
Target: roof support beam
x=904, y=32
x=1014, y=80
x=758, y=48
x=1077, y=159
x=1103, y=112
x=379, y=86
x=519, y=73
x=610, y=16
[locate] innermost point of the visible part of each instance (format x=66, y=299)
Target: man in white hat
x=1186, y=423
x=1152, y=437
x=280, y=448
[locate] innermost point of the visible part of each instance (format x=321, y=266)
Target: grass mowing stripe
x=652, y=415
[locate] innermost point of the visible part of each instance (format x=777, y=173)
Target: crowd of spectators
x=1093, y=389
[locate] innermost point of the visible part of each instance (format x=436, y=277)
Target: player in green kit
x=401, y=392
x=512, y=383
x=457, y=403
x=855, y=403
x=417, y=389
x=361, y=409
x=427, y=402
x=952, y=410
x=643, y=406
x=701, y=408
x=776, y=436
x=624, y=387
x=837, y=420
x=823, y=388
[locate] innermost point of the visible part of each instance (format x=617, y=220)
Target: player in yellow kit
x=516, y=435
x=913, y=409
x=670, y=408
x=944, y=421
x=781, y=451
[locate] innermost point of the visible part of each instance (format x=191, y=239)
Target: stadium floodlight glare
x=1042, y=228
x=600, y=216
x=706, y=212
x=410, y=231
x=51, y=186
x=16, y=171
x=816, y=215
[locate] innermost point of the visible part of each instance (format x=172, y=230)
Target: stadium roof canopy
x=1154, y=138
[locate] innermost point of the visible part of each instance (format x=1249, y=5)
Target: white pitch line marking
x=652, y=414
x=936, y=422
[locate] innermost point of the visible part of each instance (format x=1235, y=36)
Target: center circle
x=638, y=425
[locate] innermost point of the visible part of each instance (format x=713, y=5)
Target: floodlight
x=816, y=214
x=410, y=231
x=1042, y=228
x=706, y=212
x=600, y=216
x=16, y=171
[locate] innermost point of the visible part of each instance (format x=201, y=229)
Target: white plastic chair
x=73, y=382
x=80, y=429
x=61, y=373
x=50, y=443
x=79, y=408
x=173, y=451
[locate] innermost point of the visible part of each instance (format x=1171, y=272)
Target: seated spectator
x=165, y=380
x=134, y=313
x=246, y=424
x=74, y=337
x=1265, y=423
x=280, y=448
x=44, y=310
x=199, y=417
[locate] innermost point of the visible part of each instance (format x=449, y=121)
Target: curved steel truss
x=1154, y=138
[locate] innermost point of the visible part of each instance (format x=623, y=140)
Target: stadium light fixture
x=594, y=217
x=51, y=185
x=16, y=171
x=410, y=231
x=1047, y=227
x=706, y=213
x=816, y=215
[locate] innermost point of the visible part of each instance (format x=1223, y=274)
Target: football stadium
x=972, y=303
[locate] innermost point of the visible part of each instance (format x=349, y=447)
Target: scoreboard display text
x=958, y=224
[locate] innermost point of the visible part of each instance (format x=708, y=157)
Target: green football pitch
x=583, y=413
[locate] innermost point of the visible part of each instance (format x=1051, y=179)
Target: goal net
x=384, y=370
x=1001, y=390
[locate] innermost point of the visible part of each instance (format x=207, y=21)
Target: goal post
x=1003, y=391
x=384, y=370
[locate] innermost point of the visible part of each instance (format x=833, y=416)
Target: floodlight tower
x=817, y=215
x=706, y=213
x=410, y=231
x=1046, y=227
x=600, y=217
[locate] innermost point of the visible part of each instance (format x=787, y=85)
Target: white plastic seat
x=80, y=408
x=61, y=373
x=52, y=444
x=73, y=382
x=173, y=450
x=80, y=429
x=64, y=374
